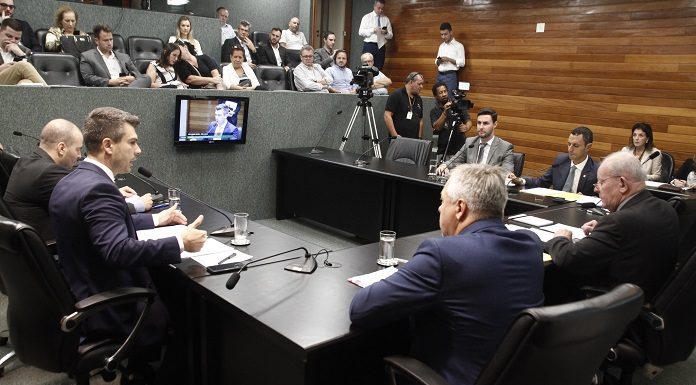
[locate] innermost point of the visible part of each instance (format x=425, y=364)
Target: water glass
x=240, y=227
x=174, y=196
x=432, y=168
x=386, y=248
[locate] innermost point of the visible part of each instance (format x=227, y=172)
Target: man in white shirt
x=14, y=68
x=376, y=29
x=227, y=32
x=310, y=77
x=292, y=38
x=379, y=82
x=450, y=57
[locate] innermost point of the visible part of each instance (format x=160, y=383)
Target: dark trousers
x=450, y=79
x=378, y=53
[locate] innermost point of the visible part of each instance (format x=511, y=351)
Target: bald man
x=33, y=177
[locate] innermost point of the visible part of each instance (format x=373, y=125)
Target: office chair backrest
x=259, y=38
x=291, y=80
x=119, y=44
x=408, y=150
x=38, y=298
x=41, y=34
x=667, y=167
x=518, y=161
x=293, y=57
x=145, y=48
x=7, y=163
x=272, y=77
x=57, y=68
x=564, y=344
x=686, y=211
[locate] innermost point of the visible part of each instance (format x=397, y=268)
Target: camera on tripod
x=364, y=79
x=459, y=106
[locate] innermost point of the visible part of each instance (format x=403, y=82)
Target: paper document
x=543, y=235
x=588, y=199
x=539, y=191
x=651, y=183
x=160, y=232
x=534, y=221
x=577, y=232
x=366, y=280
x=547, y=257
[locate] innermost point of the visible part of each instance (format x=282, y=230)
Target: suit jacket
x=555, y=177
x=29, y=189
x=226, y=51
x=99, y=249
x=267, y=56
x=29, y=39
x=500, y=153
x=229, y=129
x=94, y=70
x=637, y=244
x=447, y=288
x=323, y=58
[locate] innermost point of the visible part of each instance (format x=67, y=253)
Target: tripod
x=365, y=107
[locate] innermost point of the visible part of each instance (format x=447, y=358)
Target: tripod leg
x=350, y=127
x=373, y=131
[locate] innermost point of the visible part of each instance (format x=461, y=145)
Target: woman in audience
x=686, y=176
x=184, y=32
x=197, y=71
x=65, y=24
x=641, y=146
x=162, y=71
x=238, y=75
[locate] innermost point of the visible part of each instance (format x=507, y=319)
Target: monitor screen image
x=211, y=120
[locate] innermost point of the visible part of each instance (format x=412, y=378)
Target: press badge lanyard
x=409, y=115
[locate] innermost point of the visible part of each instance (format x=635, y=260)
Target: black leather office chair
x=259, y=38
x=555, y=345
x=43, y=316
x=57, y=68
x=293, y=57
x=291, y=80
x=686, y=210
x=7, y=163
x=518, y=161
x=667, y=167
x=119, y=44
x=41, y=36
x=143, y=50
x=408, y=150
x=272, y=77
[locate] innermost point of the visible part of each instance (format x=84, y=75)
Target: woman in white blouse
x=162, y=71
x=238, y=75
x=641, y=146
x=184, y=32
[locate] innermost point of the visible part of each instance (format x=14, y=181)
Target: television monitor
x=211, y=120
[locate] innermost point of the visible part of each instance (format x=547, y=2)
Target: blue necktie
x=378, y=21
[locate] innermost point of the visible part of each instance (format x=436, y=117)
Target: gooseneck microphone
x=316, y=151
x=20, y=133
x=156, y=196
x=309, y=266
x=361, y=163
x=654, y=155
x=226, y=231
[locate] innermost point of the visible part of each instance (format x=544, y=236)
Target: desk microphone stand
x=364, y=106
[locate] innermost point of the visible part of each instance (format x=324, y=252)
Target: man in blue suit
x=96, y=235
x=462, y=290
x=573, y=172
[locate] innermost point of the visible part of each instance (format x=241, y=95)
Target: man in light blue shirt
x=341, y=76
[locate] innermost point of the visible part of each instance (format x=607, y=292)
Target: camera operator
x=443, y=117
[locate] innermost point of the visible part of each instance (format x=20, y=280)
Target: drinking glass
x=386, y=248
x=240, y=227
x=174, y=196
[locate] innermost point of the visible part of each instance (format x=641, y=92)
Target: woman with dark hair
x=65, y=24
x=197, y=71
x=162, y=71
x=238, y=75
x=184, y=32
x=641, y=146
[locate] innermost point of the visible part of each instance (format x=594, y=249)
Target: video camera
x=364, y=79
x=459, y=106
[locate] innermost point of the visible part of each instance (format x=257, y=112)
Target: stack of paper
x=534, y=221
x=577, y=232
x=366, y=280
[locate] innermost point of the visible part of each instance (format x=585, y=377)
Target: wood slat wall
x=605, y=64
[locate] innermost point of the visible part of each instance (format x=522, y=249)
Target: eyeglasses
x=5, y=5
x=307, y=56
x=600, y=182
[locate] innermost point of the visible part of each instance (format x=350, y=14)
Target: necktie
x=379, y=24
x=479, y=157
x=568, y=186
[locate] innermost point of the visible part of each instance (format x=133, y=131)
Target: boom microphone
x=314, y=149
x=156, y=196
x=20, y=133
x=309, y=266
x=362, y=163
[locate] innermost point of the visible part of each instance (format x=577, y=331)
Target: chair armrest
x=593, y=291
x=412, y=369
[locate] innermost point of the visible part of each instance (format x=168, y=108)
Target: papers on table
x=366, y=280
x=577, y=232
x=160, y=232
x=533, y=221
x=651, y=183
x=542, y=234
x=589, y=199
x=547, y=192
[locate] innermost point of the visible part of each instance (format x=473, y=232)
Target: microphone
x=654, y=155
x=227, y=231
x=20, y=133
x=362, y=163
x=314, y=149
x=308, y=267
x=471, y=145
x=156, y=196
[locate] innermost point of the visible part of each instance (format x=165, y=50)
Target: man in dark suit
x=484, y=148
x=221, y=126
x=103, y=67
x=573, y=172
x=242, y=41
x=29, y=40
x=273, y=53
x=637, y=243
x=96, y=235
x=463, y=290
x=33, y=177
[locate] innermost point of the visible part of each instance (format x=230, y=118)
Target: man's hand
x=442, y=170
x=514, y=179
x=250, y=44
x=14, y=48
x=589, y=227
x=192, y=237
x=127, y=192
x=323, y=82
x=563, y=233
x=171, y=216
x=147, y=201
x=122, y=81
x=463, y=128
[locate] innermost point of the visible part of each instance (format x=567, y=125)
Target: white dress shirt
x=453, y=50
x=227, y=32
x=112, y=64
x=293, y=40
x=306, y=78
x=367, y=29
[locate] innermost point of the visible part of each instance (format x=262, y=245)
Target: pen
x=226, y=258
x=157, y=206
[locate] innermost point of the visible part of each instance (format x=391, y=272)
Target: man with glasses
x=574, y=172
x=273, y=53
x=403, y=113
x=7, y=10
x=636, y=243
x=310, y=77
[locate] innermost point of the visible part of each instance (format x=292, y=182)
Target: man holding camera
x=445, y=116
x=450, y=58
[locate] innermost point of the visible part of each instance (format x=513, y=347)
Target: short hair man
x=403, y=113
x=310, y=77
x=14, y=68
x=292, y=38
x=449, y=138
x=453, y=336
x=96, y=235
x=376, y=29
x=241, y=40
x=221, y=126
x=341, y=76
x=574, y=171
x=273, y=53
x=379, y=82
x=226, y=30
x=450, y=58
x=103, y=67
x=29, y=40
x=324, y=56
x=485, y=147
x=637, y=243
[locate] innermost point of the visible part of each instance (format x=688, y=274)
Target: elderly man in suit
x=14, y=68
x=273, y=53
x=485, y=147
x=572, y=172
x=103, y=67
x=462, y=290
